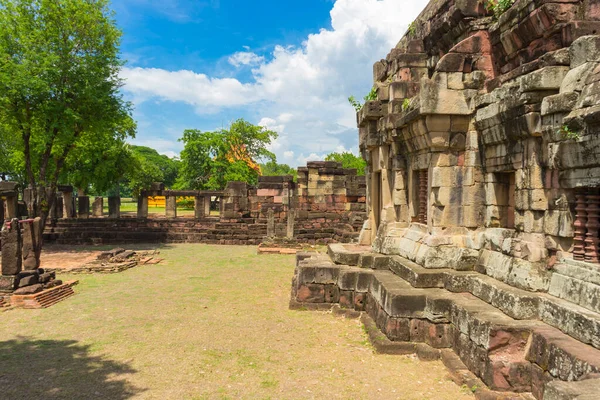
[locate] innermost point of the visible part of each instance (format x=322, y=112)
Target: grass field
x=210, y=322
x=129, y=206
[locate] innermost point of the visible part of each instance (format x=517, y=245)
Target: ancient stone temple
x=483, y=195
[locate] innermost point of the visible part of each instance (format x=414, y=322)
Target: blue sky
x=285, y=65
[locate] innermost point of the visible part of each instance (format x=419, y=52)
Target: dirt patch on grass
x=209, y=322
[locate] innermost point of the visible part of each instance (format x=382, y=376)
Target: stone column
x=580, y=222
x=11, y=248
x=11, y=207
x=171, y=206
x=592, y=225
x=98, y=207
x=291, y=220
x=270, y=223
x=68, y=204
x=83, y=207
x=59, y=206
x=207, y=205
x=31, y=244
x=142, y=208
x=199, y=211
x=114, y=207
x=1, y=211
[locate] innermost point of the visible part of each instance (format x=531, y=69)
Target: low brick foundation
x=45, y=298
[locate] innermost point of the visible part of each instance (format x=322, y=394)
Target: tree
x=273, y=169
x=211, y=159
x=169, y=167
x=348, y=160
x=59, y=86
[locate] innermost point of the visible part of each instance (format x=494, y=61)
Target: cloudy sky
x=286, y=65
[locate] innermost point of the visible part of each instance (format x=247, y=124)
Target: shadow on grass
x=60, y=369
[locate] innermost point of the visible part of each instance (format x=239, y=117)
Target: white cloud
x=245, y=58
x=302, y=90
x=302, y=160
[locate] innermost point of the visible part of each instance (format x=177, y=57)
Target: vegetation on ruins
x=348, y=160
x=211, y=159
x=372, y=95
x=566, y=132
x=498, y=6
x=59, y=88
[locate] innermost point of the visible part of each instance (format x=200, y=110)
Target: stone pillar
x=199, y=211
x=171, y=206
x=98, y=207
x=11, y=248
x=592, y=225
x=270, y=223
x=142, y=209
x=1, y=211
x=59, y=207
x=207, y=205
x=11, y=207
x=31, y=249
x=114, y=206
x=68, y=204
x=83, y=207
x=290, y=223
x=580, y=222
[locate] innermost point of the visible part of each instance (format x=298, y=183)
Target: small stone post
x=11, y=207
x=29, y=200
x=98, y=207
x=142, y=210
x=270, y=223
x=291, y=220
x=114, y=206
x=171, y=206
x=199, y=211
x=68, y=204
x=207, y=206
x=59, y=207
x=31, y=244
x=83, y=207
x=11, y=248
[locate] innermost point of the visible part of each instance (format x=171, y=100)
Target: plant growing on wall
x=371, y=96
x=499, y=6
x=568, y=133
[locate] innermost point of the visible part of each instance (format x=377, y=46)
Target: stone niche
x=485, y=130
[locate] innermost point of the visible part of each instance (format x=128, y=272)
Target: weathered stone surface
x=11, y=248
x=29, y=289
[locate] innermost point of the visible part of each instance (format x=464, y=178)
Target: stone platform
x=45, y=298
x=509, y=343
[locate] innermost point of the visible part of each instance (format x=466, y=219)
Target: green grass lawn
x=210, y=322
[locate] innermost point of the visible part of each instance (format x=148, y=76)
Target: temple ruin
x=483, y=199
x=326, y=204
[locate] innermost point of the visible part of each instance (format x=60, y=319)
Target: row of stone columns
x=201, y=206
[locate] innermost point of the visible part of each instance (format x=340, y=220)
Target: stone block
x=11, y=248
x=584, y=49
x=547, y=78
x=310, y=293
x=29, y=289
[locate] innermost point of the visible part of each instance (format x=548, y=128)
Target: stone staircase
x=504, y=342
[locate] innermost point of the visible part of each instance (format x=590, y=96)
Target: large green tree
x=169, y=167
x=59, y=86
x=348, y=160
x=272, y=168
x=211, y=159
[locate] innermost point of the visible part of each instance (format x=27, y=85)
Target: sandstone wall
x=482, y=144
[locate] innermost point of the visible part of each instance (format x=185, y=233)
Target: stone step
x=574, y=320
x=508, y=354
